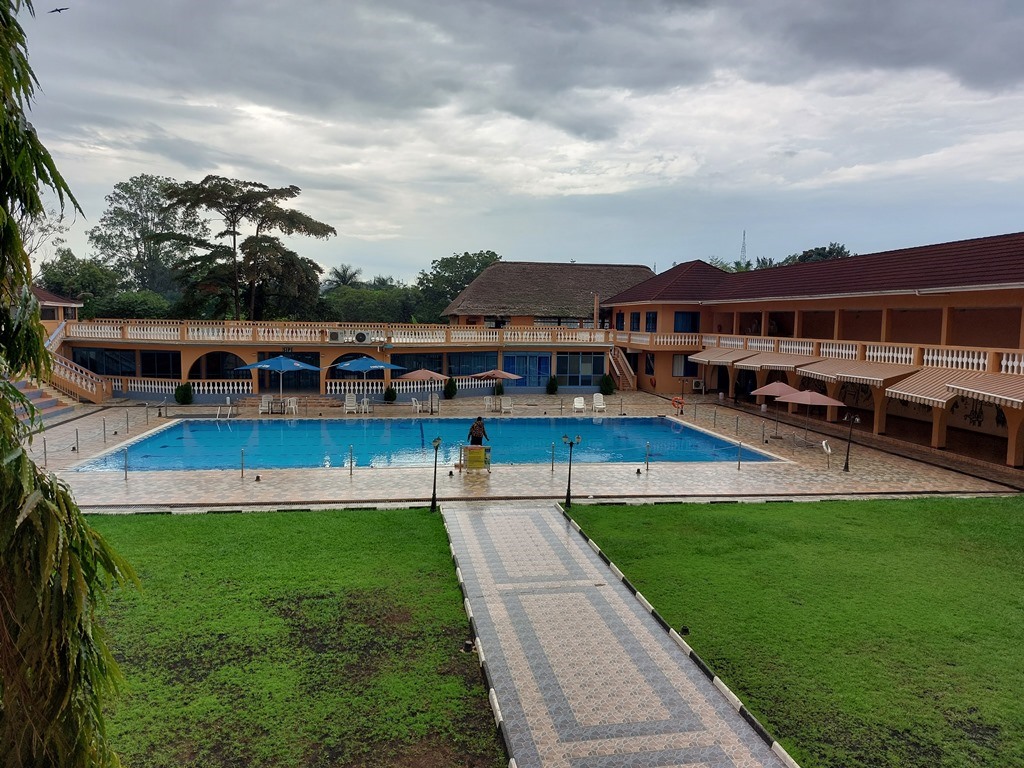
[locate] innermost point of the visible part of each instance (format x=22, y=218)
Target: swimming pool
x=305, y=443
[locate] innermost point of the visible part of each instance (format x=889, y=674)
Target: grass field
x=867, y=633
x=294, y=639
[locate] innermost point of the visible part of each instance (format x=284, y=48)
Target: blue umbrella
x=364, y=364
x=282, y=365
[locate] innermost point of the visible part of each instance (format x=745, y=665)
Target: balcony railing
x=329, y=334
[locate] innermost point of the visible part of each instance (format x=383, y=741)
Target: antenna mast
x=743, y=249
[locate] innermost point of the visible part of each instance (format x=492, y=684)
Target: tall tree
x=84, y=279
x=280, y=284
x=821, y=253
x=245, y=202
x=343, y=274
x=447, y=277
x=42, y=231
x=55, y=668
x=124, y=240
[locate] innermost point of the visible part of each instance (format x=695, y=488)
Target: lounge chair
x=598, y=402
x=266, y=404
x=292, y=404
x=417, y=407
x=579, y=405
x=506, y=405
x=351, y=404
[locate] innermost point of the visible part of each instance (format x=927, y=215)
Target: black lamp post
x=853, y=419
x=436, y=442
x=568, y=486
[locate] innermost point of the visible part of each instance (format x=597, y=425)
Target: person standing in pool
x=477, y=432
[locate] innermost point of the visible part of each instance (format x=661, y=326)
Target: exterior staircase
x=48, y=405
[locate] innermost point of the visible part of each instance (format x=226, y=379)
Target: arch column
x=881, y=402
x=1014, y=436
x=940, y=417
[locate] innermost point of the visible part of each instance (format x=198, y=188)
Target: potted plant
x=390, y=395
x=450, y=389
x=553, y=385
x=183, y=393
x=607, y=385
x=499, y=389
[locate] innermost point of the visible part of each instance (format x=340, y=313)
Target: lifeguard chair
x=474, y=457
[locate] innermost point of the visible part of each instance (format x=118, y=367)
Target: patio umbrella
x=364, y=364
x=494, y=373
x=809, y=397
x=282, y=365
x=775, y=389
x=422, y=374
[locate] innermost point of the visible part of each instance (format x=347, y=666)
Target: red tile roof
x=44, y=296
x=962, y=265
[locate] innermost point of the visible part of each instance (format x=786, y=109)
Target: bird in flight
x=59, y=10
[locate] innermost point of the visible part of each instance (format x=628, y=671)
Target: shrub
x=607, y=385
x=450, y=389
x=390, y=395
x=553, y=385
x=499, y=389
x=183, y=393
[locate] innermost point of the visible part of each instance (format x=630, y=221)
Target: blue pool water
x=298, y=443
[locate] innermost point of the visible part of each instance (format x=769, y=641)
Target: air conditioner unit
x=335, y=337
x=698, y=385
x=362, y=337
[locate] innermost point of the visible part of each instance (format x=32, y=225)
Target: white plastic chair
x=506, y=405
x=417, y=407
x=266, y=403
x=351, y=405
x=292, y=404
x=579, y=405
x=488, y=403
x=598, y=402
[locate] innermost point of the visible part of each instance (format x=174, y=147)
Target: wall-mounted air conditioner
x=335, y=337
x=698, y=385
x=362, y=337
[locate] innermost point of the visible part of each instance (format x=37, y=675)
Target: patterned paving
x=583, y=675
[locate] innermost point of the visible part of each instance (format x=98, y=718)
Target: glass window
x=533, y=367
x=651, y=322
x=634, y=321
x=649, y=363
x=468, y=363
x=159, y=364
x=48, y=313
x=681, y=366
x=105, y=362
x=580, y=369
x=687, y=322
x=412, y=361
x=620, y=321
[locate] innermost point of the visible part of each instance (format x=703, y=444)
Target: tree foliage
x=55, y=668
x=238, y=203
x=821, y=253
x=124, y=240
x=447, y=278
x=85, y=279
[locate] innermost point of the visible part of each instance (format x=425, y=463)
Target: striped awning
x=1002, y=389
x=719, y=356
x=858, y=372
x=930, y=386
x=775, y=361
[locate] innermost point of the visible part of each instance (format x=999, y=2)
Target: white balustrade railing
x=709, y=340
x=839, y=350
x=732, y=342
x=93, y=330
x=1012, y=362
x=889, y=353
x=55, y=339
x=761, y=344
x=960, y=359
x=222, y=386
x=81, y=378
x=676, y=340
x=136, y=332
x=424, y=335
x=580, y=336
x=796, y=346
x=151, y=386
x=527, y=335
x=469, y=335
x=214, y=334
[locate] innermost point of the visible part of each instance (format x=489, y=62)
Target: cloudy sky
x=612, y=131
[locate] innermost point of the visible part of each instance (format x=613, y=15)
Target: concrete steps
x=48, y=404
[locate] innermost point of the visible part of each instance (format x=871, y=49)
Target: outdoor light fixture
x=572, y=443
x=436, y=442
x=853, y=419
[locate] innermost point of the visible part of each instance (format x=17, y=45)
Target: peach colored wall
x=817, y=325
x=861, y=325
x=996, y=327
x=916, y=326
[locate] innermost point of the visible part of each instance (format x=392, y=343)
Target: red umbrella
x=809, y=397
x=422, y=374
x=775, y=389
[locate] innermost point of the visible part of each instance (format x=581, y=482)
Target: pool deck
x=806, y=471
x=582, y=672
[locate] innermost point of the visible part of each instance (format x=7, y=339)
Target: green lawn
x=866, y=633
x=294, y=639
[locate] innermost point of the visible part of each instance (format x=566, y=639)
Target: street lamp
x=572, y=443
x=436, y=442
x=853, y=419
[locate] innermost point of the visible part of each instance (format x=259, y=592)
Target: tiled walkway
x=582, y=673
